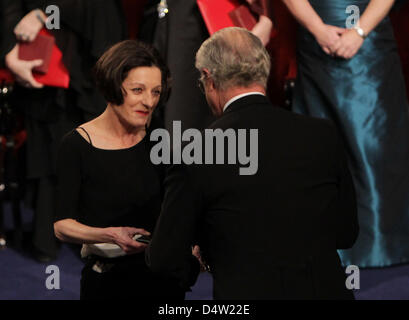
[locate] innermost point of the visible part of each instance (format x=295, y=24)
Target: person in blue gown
x=350, y=72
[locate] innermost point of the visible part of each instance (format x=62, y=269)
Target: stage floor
x=22, y=278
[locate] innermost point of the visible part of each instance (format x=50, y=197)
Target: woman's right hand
x=23, y=70
x=328, y=37
x=123, y=237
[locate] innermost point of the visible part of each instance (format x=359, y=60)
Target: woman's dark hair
x=114, y=65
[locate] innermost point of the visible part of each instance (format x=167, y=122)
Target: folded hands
x=338, y=42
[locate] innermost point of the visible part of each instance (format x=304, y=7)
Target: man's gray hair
x=234, y=57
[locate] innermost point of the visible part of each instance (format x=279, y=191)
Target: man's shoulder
x=242, y=115
x=273, y=115
x=314, y=131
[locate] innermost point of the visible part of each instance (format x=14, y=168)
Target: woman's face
x=142, y=91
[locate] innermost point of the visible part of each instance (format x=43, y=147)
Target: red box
x=40, y=48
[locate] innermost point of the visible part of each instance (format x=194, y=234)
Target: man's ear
x=212, y=85
x=206, y=73
x=208, y=79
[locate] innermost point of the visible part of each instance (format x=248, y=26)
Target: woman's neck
x=126, y=133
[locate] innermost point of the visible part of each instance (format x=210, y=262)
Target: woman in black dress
x=108, y=189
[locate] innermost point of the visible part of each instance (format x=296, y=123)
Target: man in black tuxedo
x=273, y=234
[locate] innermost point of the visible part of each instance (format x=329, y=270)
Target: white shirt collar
x=234, y=99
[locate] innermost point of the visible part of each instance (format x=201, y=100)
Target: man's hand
x=23, y=70
x=328, y=37
x=349, y=44
x=29, y=27
x=123, y=237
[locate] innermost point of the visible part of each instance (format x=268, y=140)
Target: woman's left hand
x=348, y=45
x=29, y=27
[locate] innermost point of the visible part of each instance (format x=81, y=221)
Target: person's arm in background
x=170, y=251
x=264, y=26
x=376, y=11
x=11, y=11
x=30, y=25
x=79, y=19
x=23, y=70
x=71, y=14
x=263, y=29
x=350, y=42
x=327, y=36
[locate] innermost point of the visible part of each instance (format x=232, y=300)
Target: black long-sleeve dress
x=113, y=188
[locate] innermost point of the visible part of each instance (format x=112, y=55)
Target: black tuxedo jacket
x=273, y=235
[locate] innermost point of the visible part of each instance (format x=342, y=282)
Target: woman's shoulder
x=71, y=141
x=79, y=135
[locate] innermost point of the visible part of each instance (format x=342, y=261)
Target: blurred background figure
x=87, y=29
x=180, y=30
x=177, y=29
x=354, y=77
